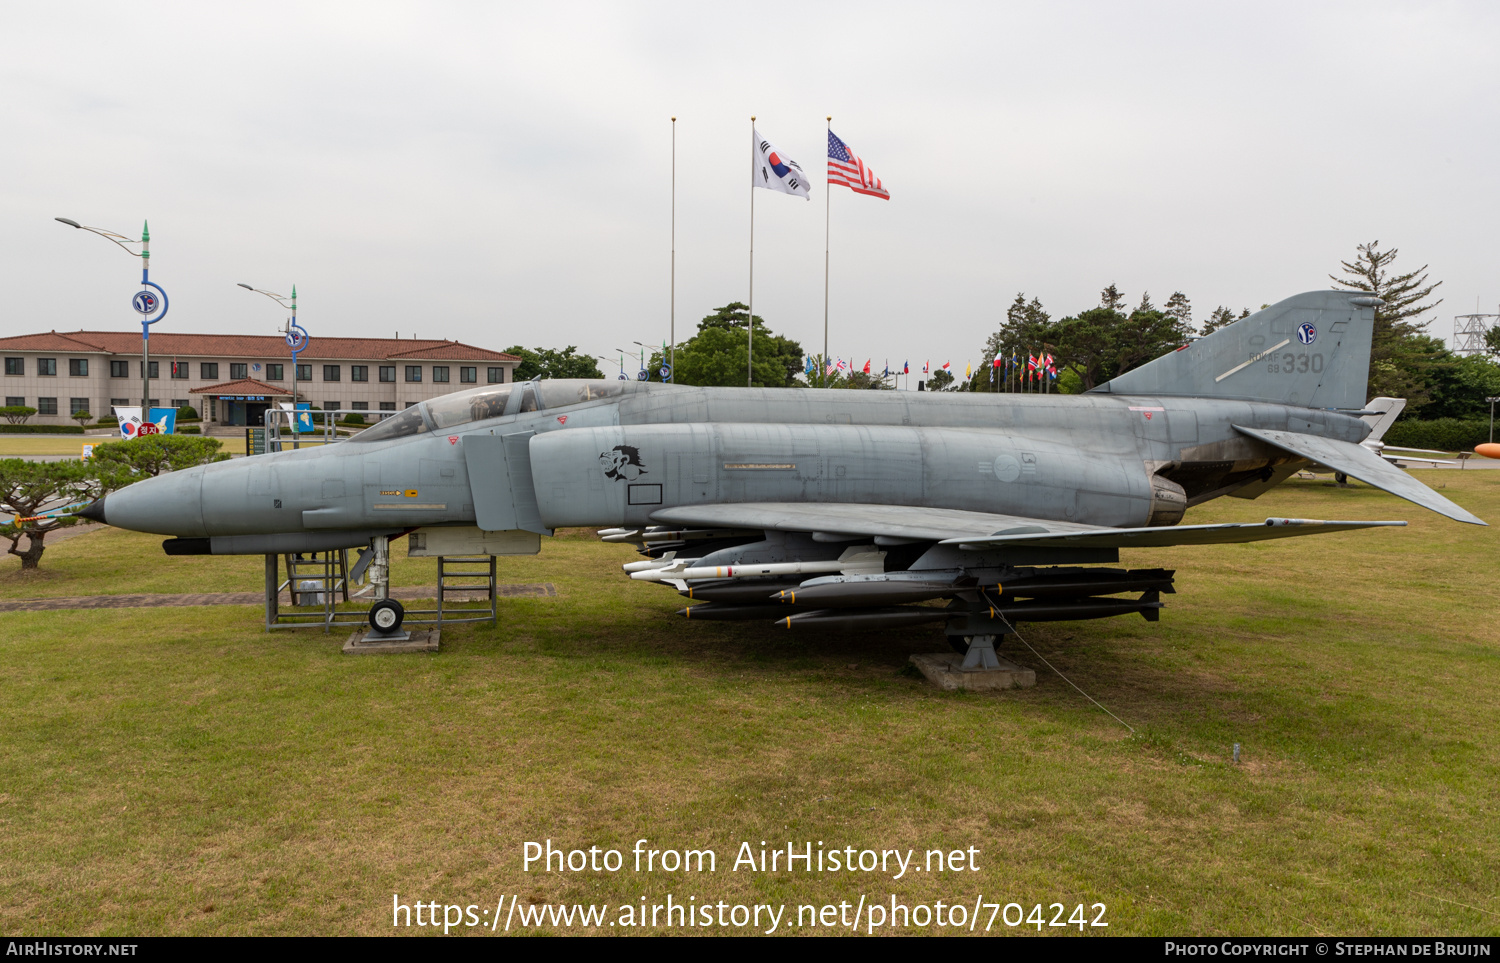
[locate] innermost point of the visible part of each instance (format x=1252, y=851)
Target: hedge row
x=41, y=429
x=1440, y=434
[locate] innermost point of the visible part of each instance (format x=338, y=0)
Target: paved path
x=533, y=590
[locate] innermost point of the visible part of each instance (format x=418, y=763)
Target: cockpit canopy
x=492, y=401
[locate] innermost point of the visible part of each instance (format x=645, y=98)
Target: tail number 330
x=1291, y=363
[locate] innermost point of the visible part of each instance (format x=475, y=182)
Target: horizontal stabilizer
x=1357, y=461
x=1221, y=534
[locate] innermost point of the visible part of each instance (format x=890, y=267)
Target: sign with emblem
x=145, y=302
x=1307, y=333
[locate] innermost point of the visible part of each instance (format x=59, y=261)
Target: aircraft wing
x=1357, y=461
x=978, y=530
x=894, y=521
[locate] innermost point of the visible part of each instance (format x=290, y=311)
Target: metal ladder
x=328, y=571
x=468, y=575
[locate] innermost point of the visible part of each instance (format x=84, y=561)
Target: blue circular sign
x=644, y=375
x=666, y=372
x=145, y=302
x=296, y=339
x=623, y=377
x=1306, y=333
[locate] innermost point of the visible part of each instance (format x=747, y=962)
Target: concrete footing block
x=945, y=670
x=421, y=640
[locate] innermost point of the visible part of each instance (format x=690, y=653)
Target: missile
x=720, y=612
x=1086, y=582
x=667, y=535
x=736, y=590
x=854, y=561
x=653, y=563
x=865, y=592
x=1147, y=605
x=1074, y=610
x=881, y=618
x=1489, y=450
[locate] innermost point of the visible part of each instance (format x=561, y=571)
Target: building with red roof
x=232, y=378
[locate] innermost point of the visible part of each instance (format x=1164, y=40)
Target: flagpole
x=750, y=319
x=827, y=222
x=673, y=362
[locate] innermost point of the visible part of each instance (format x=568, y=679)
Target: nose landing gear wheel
x=386, y=616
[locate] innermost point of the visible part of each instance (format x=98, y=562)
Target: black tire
x=386, y=616
x=960, y=643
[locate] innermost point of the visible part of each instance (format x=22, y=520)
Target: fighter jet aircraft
x=817, y=508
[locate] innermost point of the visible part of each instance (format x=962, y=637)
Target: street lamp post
x=1492, y=417
x=296, y=339
x=150, y=302
x=639, y=356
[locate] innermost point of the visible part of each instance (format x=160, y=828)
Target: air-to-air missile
x=853, y=509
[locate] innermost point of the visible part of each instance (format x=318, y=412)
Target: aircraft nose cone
x=169, y=504
x=94, y=512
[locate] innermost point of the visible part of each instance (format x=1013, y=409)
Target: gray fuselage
x=1102, y=459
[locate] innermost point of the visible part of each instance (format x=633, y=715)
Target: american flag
x=845, y=167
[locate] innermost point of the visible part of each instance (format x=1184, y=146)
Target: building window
x=78, y=406
x=440, y=373
x=361, y=406
x=359, y=372
x=332, y=372
x=119, y=369
x=153, y=370
x=274, y=372
x=13, y=400
x=238, y=371
x=46, y=406
x=468, y=376
x=304, y=372
x=153, y=402
x=209, y=371
x=48, y=366
x=180, y=370
x=179, y=402
x=497, y=376
x=387, y=406
x=78, y=367
x=332, y=405
x=413, y=372
x=388, y=373
x=119, y=401
x=15, y=366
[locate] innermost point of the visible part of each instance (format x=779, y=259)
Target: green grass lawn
x=180, y=771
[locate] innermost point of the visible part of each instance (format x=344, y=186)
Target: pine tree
x=1179, y=307
x=1111, y=299
x=1027, y=324
x=1145, y=304
x=1218, y=319
x=1399, y=353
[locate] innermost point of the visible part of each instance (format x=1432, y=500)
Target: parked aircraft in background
x=815, y=508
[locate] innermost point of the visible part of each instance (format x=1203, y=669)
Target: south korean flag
x=777, y=172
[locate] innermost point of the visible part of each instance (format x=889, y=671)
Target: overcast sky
x=501, y=173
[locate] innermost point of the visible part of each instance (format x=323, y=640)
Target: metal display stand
x=328, y=571
x=469, y=575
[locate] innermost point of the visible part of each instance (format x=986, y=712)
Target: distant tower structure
x=1469, y=331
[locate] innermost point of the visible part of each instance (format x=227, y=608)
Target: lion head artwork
x=622, y=463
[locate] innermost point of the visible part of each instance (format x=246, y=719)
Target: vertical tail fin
x=1311, y=350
